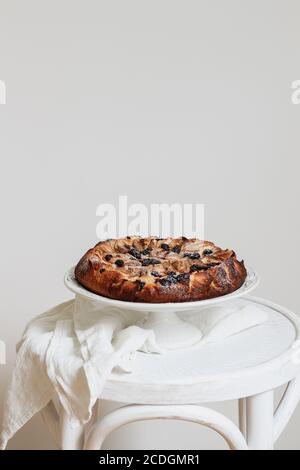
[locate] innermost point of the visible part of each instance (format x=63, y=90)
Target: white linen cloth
x=69, y=352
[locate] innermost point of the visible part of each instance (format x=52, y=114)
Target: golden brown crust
x=154, y=270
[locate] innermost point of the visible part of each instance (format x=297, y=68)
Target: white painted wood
x=254, y=361
x=260, y=421
x=286, y=407
x=94, y=418
x=243, y=416
x=205, y=416
x=251, y=364
x=72, y=438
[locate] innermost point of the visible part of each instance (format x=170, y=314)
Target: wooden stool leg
x=193, y=413
x=71, y=438
x=243, y=416
x=260, y=417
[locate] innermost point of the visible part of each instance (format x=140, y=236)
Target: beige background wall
x=163, y=101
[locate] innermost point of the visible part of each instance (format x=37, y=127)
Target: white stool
x=246, y=367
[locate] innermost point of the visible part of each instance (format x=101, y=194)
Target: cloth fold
x=69, y=352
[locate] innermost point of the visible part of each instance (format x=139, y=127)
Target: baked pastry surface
x=155, y=270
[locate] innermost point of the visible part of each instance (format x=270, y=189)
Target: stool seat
x=253, y=361
x=246, y=367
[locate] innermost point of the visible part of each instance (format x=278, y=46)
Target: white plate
x=249, y=285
